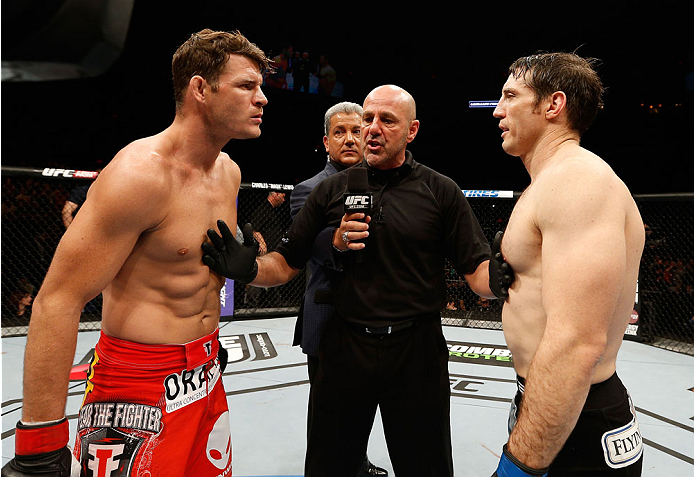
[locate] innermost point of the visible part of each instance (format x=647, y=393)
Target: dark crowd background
x=444, y=54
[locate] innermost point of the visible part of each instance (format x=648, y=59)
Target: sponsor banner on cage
x=68, y=173
x=478, y=353
x=271, y=186
x=497, y=194
x=226, y=298
x=482, y=104
x=633, y=331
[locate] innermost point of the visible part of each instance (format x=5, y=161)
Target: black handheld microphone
x=358, y=198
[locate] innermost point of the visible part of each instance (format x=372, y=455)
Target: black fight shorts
x=606, y=439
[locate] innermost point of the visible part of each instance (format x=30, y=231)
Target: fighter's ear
x=555, y=105
x=197, y=86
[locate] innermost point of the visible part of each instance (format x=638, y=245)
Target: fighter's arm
x=583, y=263
x=91, y=252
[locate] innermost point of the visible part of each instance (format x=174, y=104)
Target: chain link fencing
x=33, y=205
x=266, y=206
x=463, y=306
x=666, y=282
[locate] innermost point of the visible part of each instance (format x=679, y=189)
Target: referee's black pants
x=405, y=374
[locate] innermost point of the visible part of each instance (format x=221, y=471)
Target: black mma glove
x=226, y=257
x=500, y=273
x=509, y=466
x=40, y=450
x=223, y=356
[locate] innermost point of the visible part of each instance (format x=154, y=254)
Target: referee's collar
x=387, y=174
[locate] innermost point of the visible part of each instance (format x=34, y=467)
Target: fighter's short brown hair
x=205, y=53
x=546, y=73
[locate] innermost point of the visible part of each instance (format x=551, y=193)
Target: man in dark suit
x=342, y=143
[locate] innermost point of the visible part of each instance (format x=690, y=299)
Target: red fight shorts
x=154, y=410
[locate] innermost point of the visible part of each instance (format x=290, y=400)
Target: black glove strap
x=500, y=272
x=523, y=467
x=223, y=356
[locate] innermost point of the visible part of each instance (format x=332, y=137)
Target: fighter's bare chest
x=522, y=243
x=185, y=221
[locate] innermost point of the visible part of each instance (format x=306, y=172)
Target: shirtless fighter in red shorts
x=154, y=403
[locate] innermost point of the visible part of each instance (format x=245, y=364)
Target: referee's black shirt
x=419, y=219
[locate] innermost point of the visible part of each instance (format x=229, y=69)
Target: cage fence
x=34, y=216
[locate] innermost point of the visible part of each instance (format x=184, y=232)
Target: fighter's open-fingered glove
x=501, y=274
x=40, y=449
x=227, y=257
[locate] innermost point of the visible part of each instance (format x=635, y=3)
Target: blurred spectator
x=269, y=220
x=482, y=303
x=327, y=76
x=300, y=71
x=455, y=286
x=20, y=300
x=280, y=65
x=73, y=203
